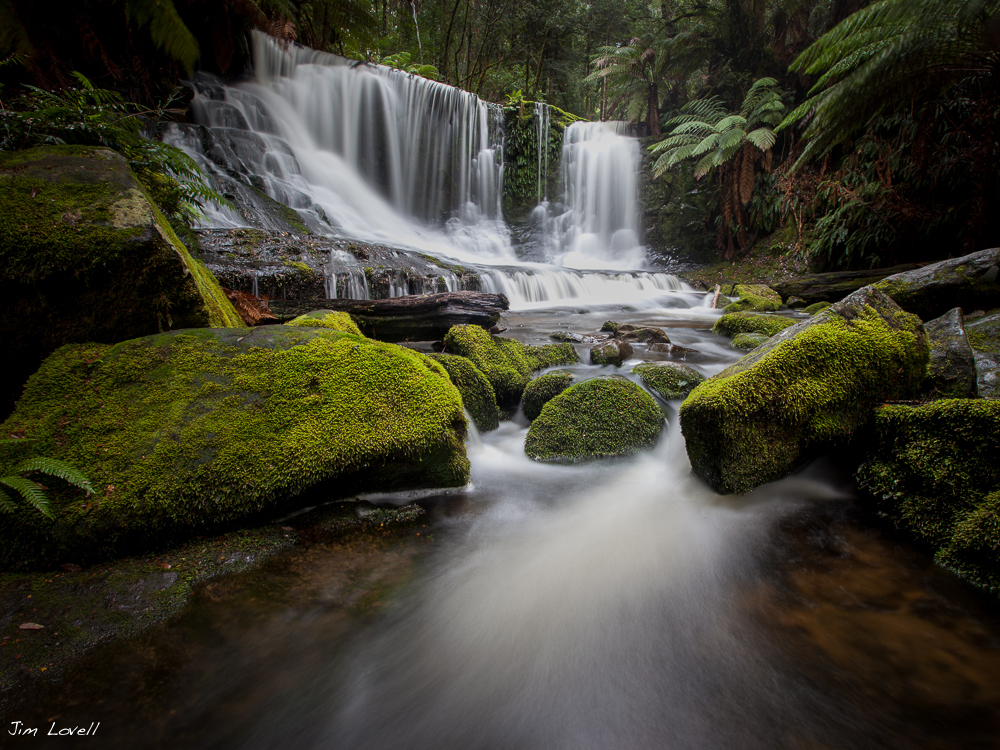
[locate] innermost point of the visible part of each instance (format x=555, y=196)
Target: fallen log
x=834, y=286
x=419, y=317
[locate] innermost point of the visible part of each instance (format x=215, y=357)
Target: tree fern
x=166, y=29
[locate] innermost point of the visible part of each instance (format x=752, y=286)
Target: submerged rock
x=477, y=393
x=338, y=321
x=506, y=363
x=933, y=470
x=185, y=432
x=543, y=389
x=754, y=298
x=969, y=282
x=669, y=380
x=747, y=341
x=809, y=386
x=736, y=323
x=611, y=352
x=598, y=418
x=951, y=372
x=984, y=337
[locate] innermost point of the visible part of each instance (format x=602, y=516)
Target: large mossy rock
x=748, y=341
x=668, y=380
x=477, y=393
x=951, y=371
x=984, y=337
x=809, y=386
x=934, y=471
x=332, y=319
x=754, y=298
x=612, y=352
x=506, y=363
x=598, y=418
x=543, y=389
x=969, y=282
x=733, y=324
x=188, y=431
x=85, y=256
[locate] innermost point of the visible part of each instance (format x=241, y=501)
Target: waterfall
x=543, y=121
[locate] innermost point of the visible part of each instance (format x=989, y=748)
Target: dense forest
x=858, y=134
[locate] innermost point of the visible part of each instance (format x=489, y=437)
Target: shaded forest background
x=855, y=133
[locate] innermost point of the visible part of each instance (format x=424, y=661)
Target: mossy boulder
x=754, y=298
x=598, y=418
x=795, y=303
x=733, y=324
x=609, y=326
x=337, y=321
x=933, y=470
x=748, y=341
x=815, y=308
x=668, y=380
x=951, y=371
x=984, y=338
x=184, y=432
x=506, y=363
x=611, y=352
x=543, y=389
x=85, y=256
x=810, y=386
x=477, y=393
x=970, y=282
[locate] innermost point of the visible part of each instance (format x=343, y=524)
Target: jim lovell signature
x=18, y=728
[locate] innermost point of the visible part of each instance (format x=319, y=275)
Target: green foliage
x=402, y=61
x=30, y=491
x=166, y=29
x=632, y=73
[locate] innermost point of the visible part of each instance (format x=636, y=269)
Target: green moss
x=338, y=321
x=754, y=298
x=477, y=393
x=543, y=389
x=669, y=380
x=735, y=323
x=816, y=307
x=184, y=432
x=506, y=363
x=748, y=341
x=805, y=389
x=609, y=326
x=598, y=418
x=933, y=470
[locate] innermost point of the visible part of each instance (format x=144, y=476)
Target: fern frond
x=762, y=138
x=166, y=29
x=30, y=491
x=6, y=504
x=55, y=468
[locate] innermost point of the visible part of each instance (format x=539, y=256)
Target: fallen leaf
x=31, y=626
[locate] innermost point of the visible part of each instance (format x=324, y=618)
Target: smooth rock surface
x=951, y=372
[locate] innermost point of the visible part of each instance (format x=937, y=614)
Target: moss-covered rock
x=337, y=321
x=736, y=323
x=795, y=303
x=951, y=371
x=609, y=326
x=506, y=363
x=984, y=338
x=971, y=282
x=933, y=470
x=610, y=352
x=815, y=308
x=809, y=386
x=477, y=393
x=85, y=256
x=668, y=380
x=187, y=431
x=598, y=418
x=543, y=389
x=748, y=341
x=754, y=298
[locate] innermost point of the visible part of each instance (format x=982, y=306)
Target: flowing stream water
x=617, y=604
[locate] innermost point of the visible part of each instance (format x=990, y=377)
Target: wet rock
x=609, y=326
x=668, y=380
x=611, y=352
x=736, y=323
x=573, y=338
x=747, y=341
x=795, y=303
x=951, y=372
x=642, y=334
x=984, y=336
x=810, y=386
x=816, y=307
x=672, y=349
x=835, y=285
x=598, y=418
x=543, y=389
x=933, y=471
x=477, y=393
x=754, y=298
x=969, y=282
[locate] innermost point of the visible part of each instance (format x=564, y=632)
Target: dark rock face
x=984, y=337
x=951, y=372
x=598, y=418
x=969, y=282
x=835, y=285
x=611, y=352
x=668, y=380
x=811, y=385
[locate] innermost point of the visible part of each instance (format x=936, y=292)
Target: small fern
x=32, y=492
